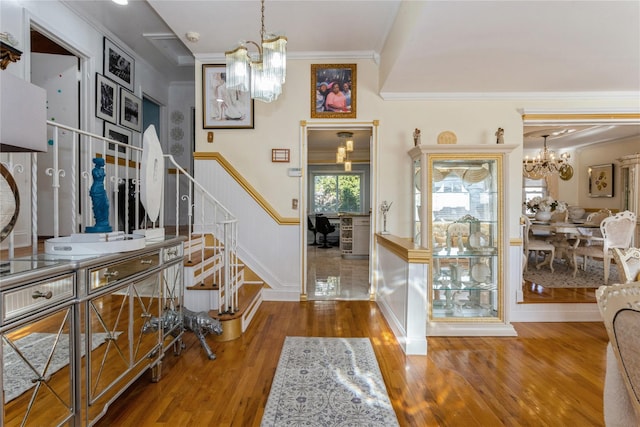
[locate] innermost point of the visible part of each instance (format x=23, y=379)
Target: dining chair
x=559, y=216
x=597, y=217
x=617, y=232
x=536, y=246
x=628, y=263
x=620, y=309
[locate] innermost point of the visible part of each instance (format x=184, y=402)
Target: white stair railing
x=61, y=205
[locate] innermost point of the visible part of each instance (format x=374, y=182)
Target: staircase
x=216, y=281
x=204, y=271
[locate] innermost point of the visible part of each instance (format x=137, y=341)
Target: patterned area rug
x=328, y=382
x=562, y=276
x=36, y=348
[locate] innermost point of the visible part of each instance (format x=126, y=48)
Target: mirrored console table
x=76, y=332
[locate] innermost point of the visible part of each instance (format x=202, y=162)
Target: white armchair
x=617, y=232
x=628, y=263
x=620, y=308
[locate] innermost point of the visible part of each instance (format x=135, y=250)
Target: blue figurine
x=99, y=199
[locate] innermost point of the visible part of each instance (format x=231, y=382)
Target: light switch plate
x=294, y=171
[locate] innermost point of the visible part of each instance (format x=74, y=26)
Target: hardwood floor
x=552, y=374
x=538, y=294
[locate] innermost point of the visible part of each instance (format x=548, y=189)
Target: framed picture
x=119, y=134
x=333, y=91
x=130, y=110
x=223, y=108
x=280, y=155
x=601, y=180
x=118, y=65
x=106, y=99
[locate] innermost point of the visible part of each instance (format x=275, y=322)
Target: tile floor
x=330, y=277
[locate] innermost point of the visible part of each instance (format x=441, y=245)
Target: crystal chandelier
x=546, y=163
x=263, y=76
x=345, y=147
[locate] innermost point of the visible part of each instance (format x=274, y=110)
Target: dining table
x=566, y=236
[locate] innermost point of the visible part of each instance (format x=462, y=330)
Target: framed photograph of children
x=118, y=65
x=130, y=110
x=333, y=91
x=223, y=108
x=106, y=99
x=601, y=180
x=119, y=134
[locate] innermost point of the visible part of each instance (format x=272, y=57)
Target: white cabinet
x=355, y=233
x=630, y=174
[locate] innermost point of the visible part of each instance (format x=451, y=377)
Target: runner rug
x=328, y=382
x=562, y=276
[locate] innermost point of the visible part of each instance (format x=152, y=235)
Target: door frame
x=305, y=127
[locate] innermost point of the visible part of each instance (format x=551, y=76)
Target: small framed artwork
x=118, y=65
x=223, y=108
x=280, y=155
x=106, y=99
x=601, y=180
x=130, y=110
x=119, y=134
x=333, y=91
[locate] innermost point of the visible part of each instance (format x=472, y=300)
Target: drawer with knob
x=27, y=300
x=113, y=273
x=172, y=252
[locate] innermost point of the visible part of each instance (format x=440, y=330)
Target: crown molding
x=508, y=96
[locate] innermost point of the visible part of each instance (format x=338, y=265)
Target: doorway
x=57, y=70
x=577, y=134
x=337, y=213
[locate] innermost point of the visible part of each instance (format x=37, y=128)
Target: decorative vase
x=543, y=215
x=576, y=212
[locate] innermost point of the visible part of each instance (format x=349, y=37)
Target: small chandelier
x=342, y=155
x=263, y=76
x=546, y=163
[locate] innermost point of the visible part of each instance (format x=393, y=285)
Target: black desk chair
x=324, y=227
x=312, y=228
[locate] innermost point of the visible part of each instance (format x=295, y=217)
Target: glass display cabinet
x=458, y=210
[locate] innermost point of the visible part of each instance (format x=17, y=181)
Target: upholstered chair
x=536, y=246
x=628, y=263
x=597, y=217
x=617, y=232
x=559, y=216
x=620, y=308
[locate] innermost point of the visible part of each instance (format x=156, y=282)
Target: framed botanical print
x=333, y=91
x=118, y=65
x=601, y=180
x=223, y=108
x=130, y=110
x=119, y=134
x=106, y=99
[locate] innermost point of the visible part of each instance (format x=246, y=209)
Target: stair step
x=246, y=296
x=196, y=256
x=207, y=285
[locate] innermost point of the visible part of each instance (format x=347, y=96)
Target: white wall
x=61, y=24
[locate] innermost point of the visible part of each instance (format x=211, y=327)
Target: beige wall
x=277, y=125
x=598, y=155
